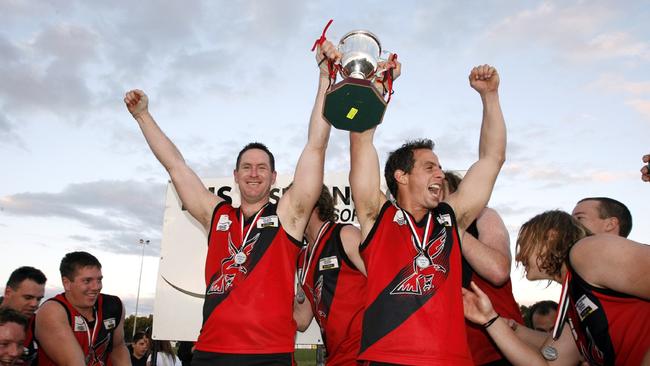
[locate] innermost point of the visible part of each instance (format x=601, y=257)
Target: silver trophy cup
x=361, y=51
x=355, y=104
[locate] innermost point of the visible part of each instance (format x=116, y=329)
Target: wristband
x=489, y=322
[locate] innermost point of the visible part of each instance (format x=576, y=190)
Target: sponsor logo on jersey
x=444, y=219
x=399, y=218
x=109, y=323
x=268, y=221
x=585, y=307
x=328, y=263
x=80, y=324
x=224, y=223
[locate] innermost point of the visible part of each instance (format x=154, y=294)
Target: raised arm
x=474, y=191
x=55, y=336
x=478, y=309
x=364, y=179
x=297, y=203
x=489, y=254
x=198, y=201
x=119, y=353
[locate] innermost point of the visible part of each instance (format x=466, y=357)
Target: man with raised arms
x=252, y=249
x=411, y=248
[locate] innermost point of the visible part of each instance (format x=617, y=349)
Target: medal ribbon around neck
x=420, y=245
x=549, y=352
x=240, y=257
x=309, y=255
x=563, y=307
x=91, y=338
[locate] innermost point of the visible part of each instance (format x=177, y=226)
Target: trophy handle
x=383, y=58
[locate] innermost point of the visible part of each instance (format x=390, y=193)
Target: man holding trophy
x=252, y=249
x=411, y=247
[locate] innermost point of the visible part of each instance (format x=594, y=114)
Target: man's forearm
x=493, y=129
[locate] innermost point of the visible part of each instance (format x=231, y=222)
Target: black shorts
x=200, y=358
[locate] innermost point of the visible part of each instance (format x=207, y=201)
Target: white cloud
x=118, y=212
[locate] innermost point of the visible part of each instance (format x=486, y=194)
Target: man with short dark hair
x=541, y=316
x=24, y=292
x=253, y=248
x=411, y=248
x=604, y=215
x=12, y=336
x=81, y=326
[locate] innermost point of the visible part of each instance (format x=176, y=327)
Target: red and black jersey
x=610, y=328
x=481, y=346
x=95, y=337
x=336, y=290
x=248, y=306
x=414, y=307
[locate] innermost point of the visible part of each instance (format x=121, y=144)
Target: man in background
x=24, y=292
x=12, y=336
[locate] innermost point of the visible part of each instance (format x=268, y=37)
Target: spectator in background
x=185, y=349
x=12, y=335
x=139, y=349
x=24, y=292
x=164, y=353
x=603, y=215
x=541, y=316
x=645, y=170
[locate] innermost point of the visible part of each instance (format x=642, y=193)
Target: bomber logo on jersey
x=109, y=323
x=230, y=268
x=420, y=279
x=585, y=307
x=328, y=263
x=224, y=223
x=268, y=221
x=97, y=352
x=317, y=294
x=399, y=218
x=444, y=219
x=80, y=324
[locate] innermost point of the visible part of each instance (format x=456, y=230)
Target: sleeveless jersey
x=610, y=328
x=97, y=348
x=414, y=311
x=248, y=306
x=481, y=346
x=336, y=290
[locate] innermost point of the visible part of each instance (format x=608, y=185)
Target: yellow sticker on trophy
x=353, y=112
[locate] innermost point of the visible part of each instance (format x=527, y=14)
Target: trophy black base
x=354, y=105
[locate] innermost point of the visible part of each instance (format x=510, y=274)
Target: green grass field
x=305, y=357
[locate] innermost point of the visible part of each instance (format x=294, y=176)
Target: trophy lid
x=361, y=32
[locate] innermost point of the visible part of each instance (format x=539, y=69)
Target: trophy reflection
x=354, y=104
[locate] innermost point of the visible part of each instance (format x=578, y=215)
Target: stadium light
x=137, y=299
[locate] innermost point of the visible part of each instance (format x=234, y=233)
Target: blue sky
x=78, y=175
